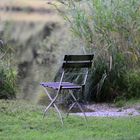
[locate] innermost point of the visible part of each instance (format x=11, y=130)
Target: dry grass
x=32, y=17
x=42, y=11
x=26, y=3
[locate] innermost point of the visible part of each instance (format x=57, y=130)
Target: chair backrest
x=77, y=61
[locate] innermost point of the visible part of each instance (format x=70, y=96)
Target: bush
x=132, y=84
x=8, y=74
x=7, y=84
x=110, y=29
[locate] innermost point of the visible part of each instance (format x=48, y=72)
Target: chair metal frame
x=70, y=61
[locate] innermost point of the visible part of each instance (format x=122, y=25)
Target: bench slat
x=78, y=57
x=64, y=85
x=77, y=65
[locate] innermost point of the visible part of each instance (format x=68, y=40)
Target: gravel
x=107, y=110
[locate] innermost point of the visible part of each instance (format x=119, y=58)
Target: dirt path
x=109, y=110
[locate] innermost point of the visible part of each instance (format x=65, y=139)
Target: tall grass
x=111, y=30
x=8, y=73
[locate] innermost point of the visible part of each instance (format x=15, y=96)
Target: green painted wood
x=87, y=64
x=78, y=57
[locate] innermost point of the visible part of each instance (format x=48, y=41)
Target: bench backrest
x=77, y=61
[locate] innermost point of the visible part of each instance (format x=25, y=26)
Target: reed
x=111, y=30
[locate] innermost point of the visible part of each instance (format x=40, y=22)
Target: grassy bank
x=20, y=120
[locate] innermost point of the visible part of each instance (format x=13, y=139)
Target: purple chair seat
x=64, y=85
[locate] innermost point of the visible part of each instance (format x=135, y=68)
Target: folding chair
x=70, y=62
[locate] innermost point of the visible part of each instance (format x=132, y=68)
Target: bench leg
x=80, y=107
x=53, y=104
x=70, y=109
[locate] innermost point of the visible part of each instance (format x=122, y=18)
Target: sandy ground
x=108, y=110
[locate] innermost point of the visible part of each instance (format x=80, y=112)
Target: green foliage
x=120, y=103
x=132, y=83
x=8, y=74
x=7, y=83
x=20, y=120
x=111, y=30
